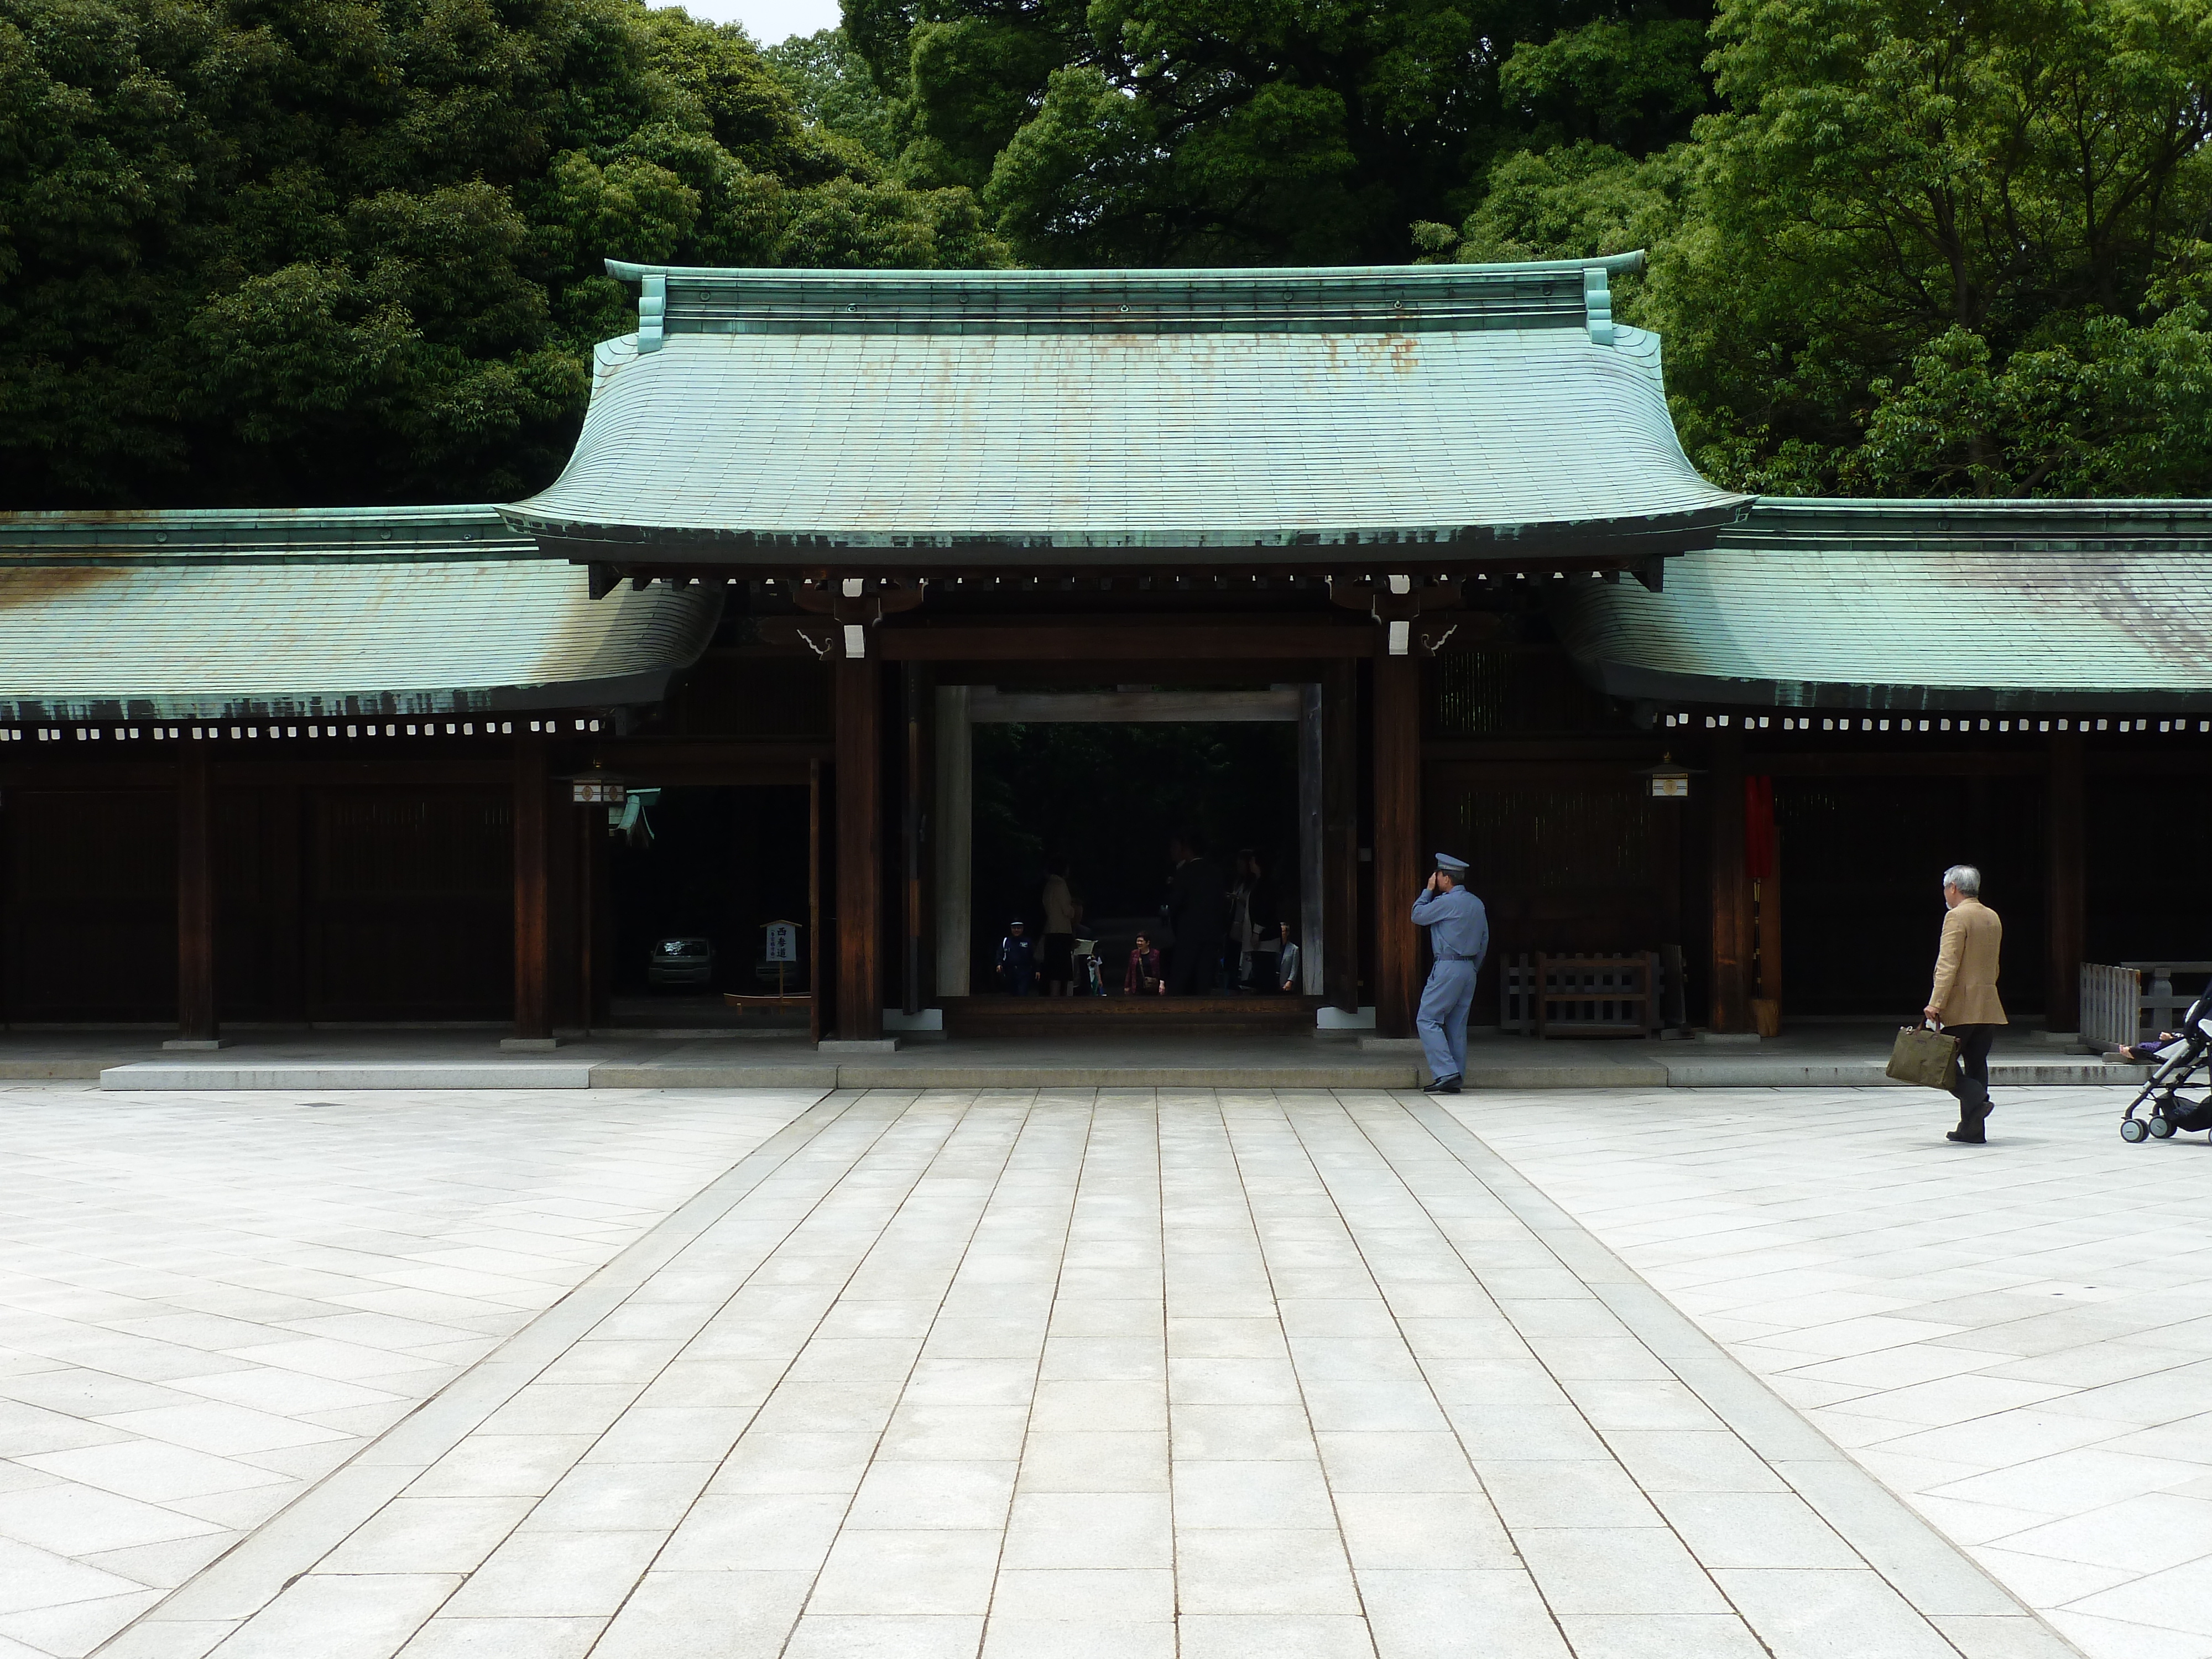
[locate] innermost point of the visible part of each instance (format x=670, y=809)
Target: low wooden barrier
x=1621, y=994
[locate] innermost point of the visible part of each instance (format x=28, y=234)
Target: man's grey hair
x=1966, y=879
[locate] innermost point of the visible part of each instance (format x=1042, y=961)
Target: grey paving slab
x=210, y=1305
x=2007, y=1336
x=1175, y=1371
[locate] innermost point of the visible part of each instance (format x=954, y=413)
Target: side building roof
x=1920, y=604
x=213, y=614
x=903, y=422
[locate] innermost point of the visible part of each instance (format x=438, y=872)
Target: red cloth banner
x=1758, y=827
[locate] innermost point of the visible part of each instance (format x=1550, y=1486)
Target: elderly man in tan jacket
x=1964, y=999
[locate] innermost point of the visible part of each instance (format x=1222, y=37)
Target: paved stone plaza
x=1098, y=1373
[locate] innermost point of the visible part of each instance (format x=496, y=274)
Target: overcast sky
x=769, y=20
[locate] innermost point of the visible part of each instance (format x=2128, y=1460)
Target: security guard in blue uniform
x=1459, y=938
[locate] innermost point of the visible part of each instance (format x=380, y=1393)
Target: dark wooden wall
x=410, y=904
x=379, y=900
x=1863, y=860
x=91, y=898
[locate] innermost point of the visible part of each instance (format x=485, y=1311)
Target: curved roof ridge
x=1613, y=264
x=376, y=535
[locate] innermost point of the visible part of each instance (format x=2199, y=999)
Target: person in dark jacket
x=1198, y=914
x=1017, y=959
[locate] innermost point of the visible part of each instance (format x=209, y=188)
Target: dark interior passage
x=1107, y=798
x=709, y=863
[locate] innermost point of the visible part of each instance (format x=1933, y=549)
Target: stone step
x=1562, y=1066
x=309, y=1075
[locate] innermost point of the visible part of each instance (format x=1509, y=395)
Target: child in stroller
x=2175, y=1057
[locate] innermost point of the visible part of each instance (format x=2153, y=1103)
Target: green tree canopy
x=832, y=86
x=1165, y=132
x=303, y=250
x=1958, y=249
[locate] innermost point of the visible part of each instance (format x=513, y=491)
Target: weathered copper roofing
x=1060, y=421
x=1920, y=604
x=318, y=611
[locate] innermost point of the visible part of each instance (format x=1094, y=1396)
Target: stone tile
x=772, y=1532
x=1066, y=1638
x=1582, y=1493
x=1118, y=1460
x=706, y=1615
x=77, y=1521
x=428, y=1536
x=1458, y=1614
x=1272, y=1570
x=930, y=1494
x=1265, y=1636
x=1671, y=1636
x=908, y=1574
x=845, y=1636
x=1099, y=1530
x=1422, y=1531
x=504, y=1638
x=1255, y=1494
x=1630, y=1570
x=1396, y=1461
x=501, y=1466
x=1755, y=1530
x=153, y=1472
x=340, y=1616
x=557, y=1574
x=35, y=1579
x=1137, y=1595
x=1801, y=1613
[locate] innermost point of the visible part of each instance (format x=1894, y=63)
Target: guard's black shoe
x=1976, y=1139
x=1442, y=1086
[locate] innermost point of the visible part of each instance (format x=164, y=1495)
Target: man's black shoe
x=1965, y=1139
x=1442, y=1086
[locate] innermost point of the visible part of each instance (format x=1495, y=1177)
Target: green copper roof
x=1070, y=420
x=1920, y=604
x=315, y=612
x=321, y=535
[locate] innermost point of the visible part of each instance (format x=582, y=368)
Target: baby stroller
x=2175, y=1060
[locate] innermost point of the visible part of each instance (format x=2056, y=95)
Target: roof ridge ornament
x=652, y=310
x=1597, y=305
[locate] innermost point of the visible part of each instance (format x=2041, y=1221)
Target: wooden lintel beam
x=1021, y=640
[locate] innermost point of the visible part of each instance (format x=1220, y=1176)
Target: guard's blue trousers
x=1442, y=1019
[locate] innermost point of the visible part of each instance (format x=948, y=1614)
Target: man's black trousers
x=1191, y=973
x=1973, y=1087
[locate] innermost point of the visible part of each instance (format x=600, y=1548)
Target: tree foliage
x=1270, y=131
x=349, y=250
x=298, y=251
x=832, y=86
x=1950, y=250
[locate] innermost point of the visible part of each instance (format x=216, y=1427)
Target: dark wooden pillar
x=1729, y=1001
x=1397, y=841
x=591, y=933
x=533, y=1008
x=1340, y=834
x=196, y=990
x=918, y=698
x=859, y=968
x=2066, y=841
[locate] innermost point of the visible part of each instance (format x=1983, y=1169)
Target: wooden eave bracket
x=856, y=604
x=1395, y=603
